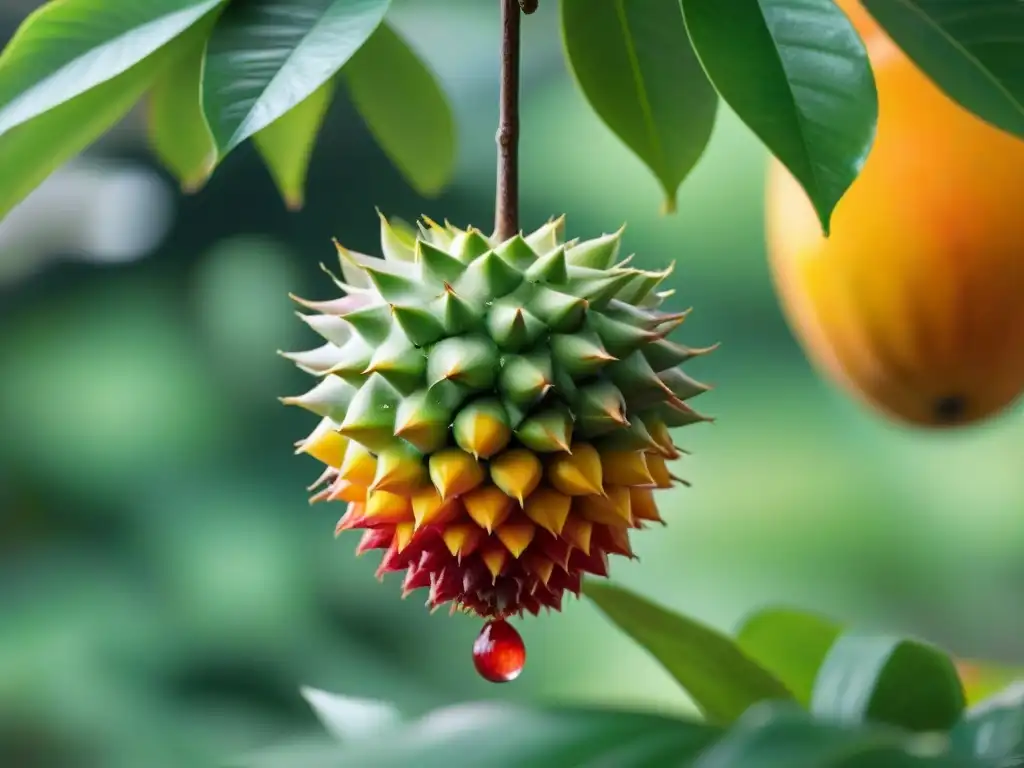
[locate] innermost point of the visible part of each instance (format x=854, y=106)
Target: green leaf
x=889, y=680
x=265, y=57
x=720, y=678
x=405, y=109
x=636, y=68
x=286, y=145
x=505, y=735
x=347, y=718
x=33, y=150
x=994, y=729
x=771, y=735
x=178, y=132
x=797, y=73
x=67, y=48
x=971, y=49
x=790, y=644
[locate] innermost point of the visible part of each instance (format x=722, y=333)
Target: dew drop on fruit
x=499, y=653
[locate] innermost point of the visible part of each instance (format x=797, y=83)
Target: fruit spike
x=497, y=416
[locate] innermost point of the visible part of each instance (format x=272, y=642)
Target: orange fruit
x=915, y=304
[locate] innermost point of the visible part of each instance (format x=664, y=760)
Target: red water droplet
x=499, y=653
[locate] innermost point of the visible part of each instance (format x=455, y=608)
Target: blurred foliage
x=165, y=587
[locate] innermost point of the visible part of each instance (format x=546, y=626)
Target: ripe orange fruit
x=915, y=304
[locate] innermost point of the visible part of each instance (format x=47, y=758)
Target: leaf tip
x=294, y=201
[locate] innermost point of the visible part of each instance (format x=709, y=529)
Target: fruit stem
x=506, y=207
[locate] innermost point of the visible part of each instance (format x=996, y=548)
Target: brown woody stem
x=506, y=207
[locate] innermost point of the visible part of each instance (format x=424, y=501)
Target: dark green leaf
x=890, y=680
x=178, y=131
x=722, y=680
x=265, y=57
x=405, y=108
x=971, y=49
x=65, y=49
x=286, y=145
x=797, y=73
x=636, y=68
x=33, y=150
x=790, y=644
x=500, y=735
x=774, y=736
x=994, y=729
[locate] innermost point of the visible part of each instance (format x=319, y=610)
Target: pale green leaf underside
x=348, y=718
x=265, y=57
x=32, y=151
x=66, y=48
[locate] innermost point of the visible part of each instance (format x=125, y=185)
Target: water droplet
x=499, y=653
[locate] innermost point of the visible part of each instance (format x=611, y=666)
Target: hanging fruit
x=495, y=410
x=915, y=303
x=496, y=415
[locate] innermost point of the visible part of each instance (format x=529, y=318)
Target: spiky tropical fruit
x=913, y=303
x=495, y=414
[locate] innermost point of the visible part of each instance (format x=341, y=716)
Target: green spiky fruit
x=496, y=415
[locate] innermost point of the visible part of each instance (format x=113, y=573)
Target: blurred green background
x=165, y=586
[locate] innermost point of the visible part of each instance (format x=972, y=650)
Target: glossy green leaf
x=971, y=49
x=994, y=729
x=505, y=735
x=720, y=678
x=286, y=145
x=636, y=68
x=890, y=680
x=65, y=49
x=797, y=73
x=178, y=132
x=770, y=735
x=790, y=644
x=404, y=107
x=266, y=57
x=32, y=151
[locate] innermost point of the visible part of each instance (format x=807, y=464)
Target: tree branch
x=506, y=208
